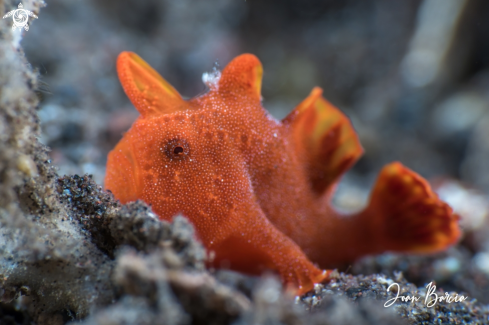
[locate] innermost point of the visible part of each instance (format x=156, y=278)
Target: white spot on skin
x=211, y=79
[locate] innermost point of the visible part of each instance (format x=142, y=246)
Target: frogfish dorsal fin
x=146, y=88
x=325, y=138
x=242, y=76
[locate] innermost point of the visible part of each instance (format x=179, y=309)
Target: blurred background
x=412, y=75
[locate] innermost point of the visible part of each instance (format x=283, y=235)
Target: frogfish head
x=188, y=156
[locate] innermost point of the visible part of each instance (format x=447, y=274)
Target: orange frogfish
x=258, y=190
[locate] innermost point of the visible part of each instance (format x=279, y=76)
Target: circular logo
x=20, y=17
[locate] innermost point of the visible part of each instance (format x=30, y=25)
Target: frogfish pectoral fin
x=405, y=215
x=146, y=88
x=324, y=139
x=258, y=246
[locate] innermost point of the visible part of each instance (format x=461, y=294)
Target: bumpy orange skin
x=257, y=189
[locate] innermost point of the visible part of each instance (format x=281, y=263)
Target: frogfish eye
x=177, y=149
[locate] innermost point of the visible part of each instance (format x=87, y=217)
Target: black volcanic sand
x=70, y=253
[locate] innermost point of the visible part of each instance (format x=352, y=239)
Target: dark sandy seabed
x=70, y=253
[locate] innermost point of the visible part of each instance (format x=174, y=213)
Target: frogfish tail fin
x=407, y=216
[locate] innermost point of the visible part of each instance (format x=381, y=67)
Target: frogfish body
x=258, y=190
